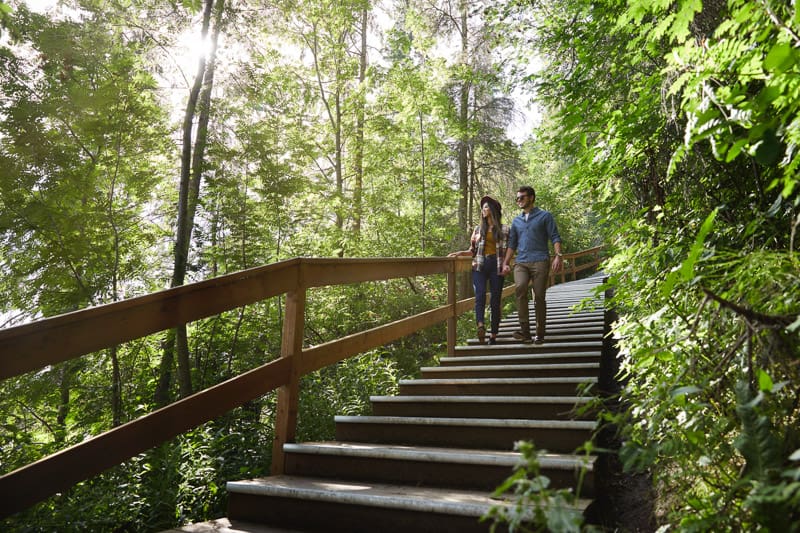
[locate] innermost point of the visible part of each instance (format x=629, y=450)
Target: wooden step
x=499, y=355
x=328, y=505
x=518, y=407
x=520, y=347
x=558, y=386
x=429, y=466
x=561, y=318
x=511, y=371
x=560, y=436
x=552, y=338
x=507, y=328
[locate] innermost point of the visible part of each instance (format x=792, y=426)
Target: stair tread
x=535, y=347
x=420, y=499
x=473, y=422
x=438, y=454
x=543, y=366
x=570, y=400
x=516, y=357
x=498, y=381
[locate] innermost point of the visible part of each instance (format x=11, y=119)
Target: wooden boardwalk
x=428, y=458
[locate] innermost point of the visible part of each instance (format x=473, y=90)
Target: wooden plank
x=53, y=340
x=338, y=350
x=325, y=272
x=452, y=320
x=289, y=393
x=58, y=472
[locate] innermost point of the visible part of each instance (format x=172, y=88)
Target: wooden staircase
x=429, y=458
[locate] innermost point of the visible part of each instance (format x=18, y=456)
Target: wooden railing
x=53, y=340
x=586, y=260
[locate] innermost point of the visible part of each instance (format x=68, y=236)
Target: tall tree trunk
x=64, y=387
x=333, y=108
x=116, y=388
x=360, y=117
x=423, y=233
x=464, y=200
x=116, y=377
x=192, y=159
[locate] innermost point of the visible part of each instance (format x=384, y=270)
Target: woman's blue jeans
x=495, y=281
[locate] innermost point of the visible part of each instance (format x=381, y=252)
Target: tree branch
x=751, y=315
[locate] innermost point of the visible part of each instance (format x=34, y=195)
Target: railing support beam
x=288, y=394
x=453, y=320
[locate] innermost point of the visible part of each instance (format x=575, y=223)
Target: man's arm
x=558, y=261
x=506, y=260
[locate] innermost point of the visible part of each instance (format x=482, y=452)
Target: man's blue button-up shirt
x=529, y=235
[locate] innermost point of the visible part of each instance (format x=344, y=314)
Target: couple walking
x=493, y=245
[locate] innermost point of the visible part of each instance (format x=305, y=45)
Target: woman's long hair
x=495, y=213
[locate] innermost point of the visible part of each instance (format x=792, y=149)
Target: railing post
x=453, y=319
x=291, y=346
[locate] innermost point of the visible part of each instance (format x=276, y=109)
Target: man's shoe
x=538, y=340
x=492, y=340
x=481, y=335
x=521, y=336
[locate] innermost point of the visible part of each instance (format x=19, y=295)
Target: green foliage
x=534, y=505
x=679, y=121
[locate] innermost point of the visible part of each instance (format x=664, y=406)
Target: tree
x=193, y=166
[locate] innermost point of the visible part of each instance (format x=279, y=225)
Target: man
x=528, y=237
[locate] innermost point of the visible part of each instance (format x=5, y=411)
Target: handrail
x=572, y=267
x=45, y=342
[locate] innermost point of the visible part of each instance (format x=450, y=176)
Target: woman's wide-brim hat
x=491, y=201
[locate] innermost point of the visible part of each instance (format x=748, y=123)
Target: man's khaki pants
x=539, y=273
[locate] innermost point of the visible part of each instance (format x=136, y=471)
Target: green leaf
x=735, y=149
x=687, y=267
x=683, y=391
x=775, y=207
x=780, y=58
x=764, y=381
x=768, y=151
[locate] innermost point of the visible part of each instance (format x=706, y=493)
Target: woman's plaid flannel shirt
x=477, y=243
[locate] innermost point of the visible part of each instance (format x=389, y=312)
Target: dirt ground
x=624, y=501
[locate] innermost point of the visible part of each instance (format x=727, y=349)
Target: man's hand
x=557, y=264
x=505, y=269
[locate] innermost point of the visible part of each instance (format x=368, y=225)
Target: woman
x=487, y=248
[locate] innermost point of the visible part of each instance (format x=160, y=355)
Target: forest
x=146, y=145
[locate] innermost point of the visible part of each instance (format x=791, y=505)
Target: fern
x=759, y=446
x=773, y=501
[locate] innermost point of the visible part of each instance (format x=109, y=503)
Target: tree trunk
x=464, y=218
x=64, y=386
x=359, y=146
x=422, y=172
x=116, y=388
x=192, y=162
